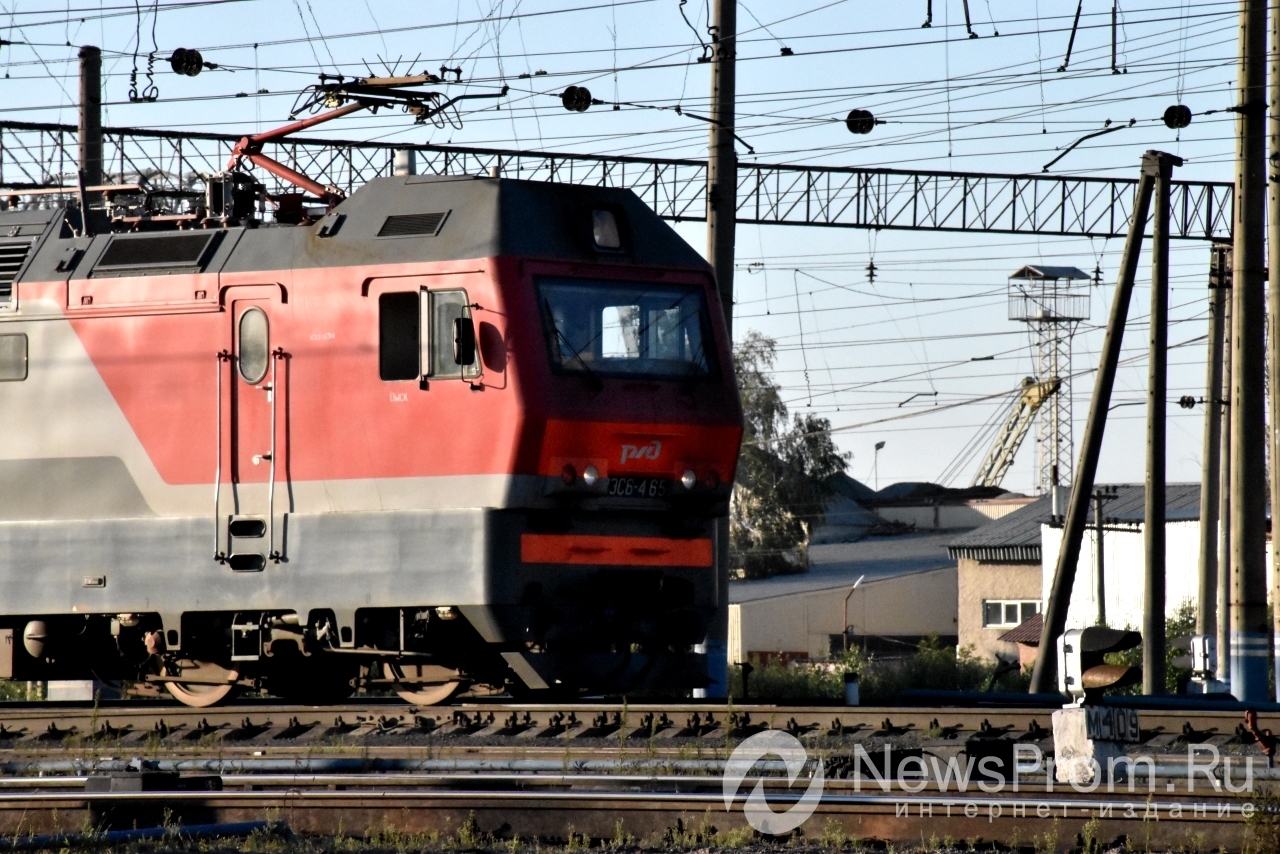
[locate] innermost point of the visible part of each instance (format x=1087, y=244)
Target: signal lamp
x=688, y=480
x=713, y=479
x=590, y=475
x=1083, y=673
x=569, y=474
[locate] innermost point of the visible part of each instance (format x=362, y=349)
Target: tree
x=784, y=472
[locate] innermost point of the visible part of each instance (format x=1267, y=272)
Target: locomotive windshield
x=597, y=326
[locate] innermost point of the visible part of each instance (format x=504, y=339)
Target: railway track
x=544, y=771
x=375, y=724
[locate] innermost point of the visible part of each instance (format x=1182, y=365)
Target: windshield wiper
x=592, y=379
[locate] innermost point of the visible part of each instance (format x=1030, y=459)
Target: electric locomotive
x=447, y=431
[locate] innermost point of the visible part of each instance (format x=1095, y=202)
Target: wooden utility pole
x=722, y=211
x=1043, y=676
x=1250, y=620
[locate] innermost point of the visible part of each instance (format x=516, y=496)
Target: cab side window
x=416, y=334
x=13, y=357
x=398, y=333
x=446, y=307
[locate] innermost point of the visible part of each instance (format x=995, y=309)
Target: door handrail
x=218, y=555
x=276, y=355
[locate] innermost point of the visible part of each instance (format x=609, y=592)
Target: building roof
x=1040, y=271
x=1013, y=537
x=1028, y=633
x=1181, y=503
x=1016, y=537
x=838, y=565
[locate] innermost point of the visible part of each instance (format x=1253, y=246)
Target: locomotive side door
x=254, y=449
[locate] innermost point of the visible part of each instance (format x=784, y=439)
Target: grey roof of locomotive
x=483, y=217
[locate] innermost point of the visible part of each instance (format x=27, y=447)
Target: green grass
x=931, y=666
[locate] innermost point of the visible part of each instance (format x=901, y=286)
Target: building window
x=1007, y=613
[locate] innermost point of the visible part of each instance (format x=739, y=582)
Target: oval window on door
x=252, y=346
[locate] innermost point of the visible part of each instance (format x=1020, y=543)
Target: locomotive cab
x=453, y=431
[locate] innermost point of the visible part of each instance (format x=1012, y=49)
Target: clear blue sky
x=849, y=349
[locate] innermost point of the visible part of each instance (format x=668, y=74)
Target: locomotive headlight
x=604, y=228
x=590, y=475
x=688, y=480
x=568, y=474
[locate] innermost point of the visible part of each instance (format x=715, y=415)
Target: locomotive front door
x=255, y=447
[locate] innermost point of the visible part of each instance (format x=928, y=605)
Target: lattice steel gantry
x=1052, y=301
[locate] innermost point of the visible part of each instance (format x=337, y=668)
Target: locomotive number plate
x=639, y=487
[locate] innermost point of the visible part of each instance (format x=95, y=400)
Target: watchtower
x=1052, y=301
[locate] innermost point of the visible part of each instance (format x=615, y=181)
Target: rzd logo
x=642, y=452
x=757, y=810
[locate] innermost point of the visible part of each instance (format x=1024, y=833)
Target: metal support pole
x=1064, y=576
x=722, y=162
x=722, y=206
x=1250, y=620
x=1211, y=470
x=1273, y=292
x=1153, y=605
x=1224, y=494
x=91, y=115
x=1100, y=593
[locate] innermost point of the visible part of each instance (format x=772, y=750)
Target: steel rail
x=888, y=816
x=768, y=193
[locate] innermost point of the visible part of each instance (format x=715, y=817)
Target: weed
x=1047, y=842
x=833, y=835
x=621, y=837
x=469, y=834
x=576, y=841
x=1089, y=836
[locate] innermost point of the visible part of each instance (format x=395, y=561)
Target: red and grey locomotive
x=451, y=431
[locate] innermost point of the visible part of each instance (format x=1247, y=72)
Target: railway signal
x=1084, y=672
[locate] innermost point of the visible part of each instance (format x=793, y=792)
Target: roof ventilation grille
x=413, y=225
x=12, y=255
x=155, y=254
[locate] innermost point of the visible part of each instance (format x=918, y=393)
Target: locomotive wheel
x=200, y=695
x=424, y=685
x=428, y=695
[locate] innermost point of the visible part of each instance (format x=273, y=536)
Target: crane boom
x=1016, y=426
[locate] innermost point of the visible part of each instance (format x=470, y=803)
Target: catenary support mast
x=1273, y=292
x=722, y=204
x=1211, y=472
x=90, y=132
x=1250, y=620
x=1153, y=606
